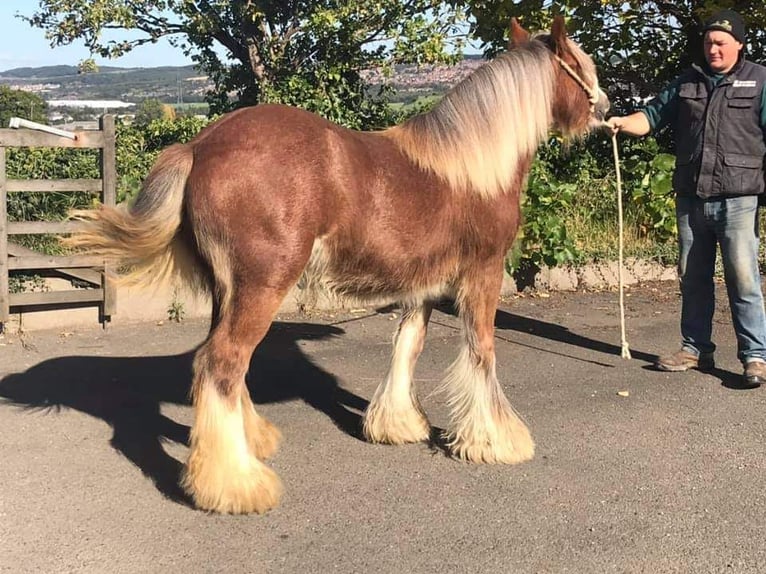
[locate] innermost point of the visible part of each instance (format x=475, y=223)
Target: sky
x=23, y=46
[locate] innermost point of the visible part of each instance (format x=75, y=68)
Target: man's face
x=721, y=50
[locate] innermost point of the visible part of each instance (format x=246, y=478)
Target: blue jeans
x=732, y=223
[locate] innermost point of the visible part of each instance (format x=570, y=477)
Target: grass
x=201, y=108
x=598, y=241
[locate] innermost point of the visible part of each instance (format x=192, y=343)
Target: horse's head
x=578, y=103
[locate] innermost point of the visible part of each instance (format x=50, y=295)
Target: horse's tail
x=142, y=241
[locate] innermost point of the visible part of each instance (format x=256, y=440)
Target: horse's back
x=274, y=157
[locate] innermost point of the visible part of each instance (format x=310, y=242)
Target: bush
x=570, y=204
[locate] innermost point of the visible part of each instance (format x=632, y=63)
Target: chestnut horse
x=414, y=213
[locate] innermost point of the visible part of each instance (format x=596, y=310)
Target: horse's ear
x=559, y=33
x=517, y=36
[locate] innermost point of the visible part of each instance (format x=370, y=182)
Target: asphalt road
x=636, y=470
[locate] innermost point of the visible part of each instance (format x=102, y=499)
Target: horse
x=421, y=211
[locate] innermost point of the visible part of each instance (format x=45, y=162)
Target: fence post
x=107, y=161
x=5, y=309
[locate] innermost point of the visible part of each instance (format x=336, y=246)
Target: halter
x=591, y=91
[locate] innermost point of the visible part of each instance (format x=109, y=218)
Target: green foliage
x=19, y=283
x=649, y=184
x=402, y=112
x=134, y=158
x=21, y=104
x=161, y=133
x=570, y=204
x=47, y=163
x=544, y=239
x=152, y=109
x=176, y=310
x=305, y=52
x=638, y=46
x=138, y=146
x=339, y=96
x=87, y=66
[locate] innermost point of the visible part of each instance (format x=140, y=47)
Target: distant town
x=74, y=97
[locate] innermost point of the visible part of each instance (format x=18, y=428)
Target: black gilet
x=720, y=145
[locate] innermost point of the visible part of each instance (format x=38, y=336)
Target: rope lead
x=623, y=340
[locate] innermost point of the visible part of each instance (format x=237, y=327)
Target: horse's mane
x=475, y=136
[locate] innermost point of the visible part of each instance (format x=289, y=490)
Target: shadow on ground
x=561, y=334
x=505, y=321
x=127, y=392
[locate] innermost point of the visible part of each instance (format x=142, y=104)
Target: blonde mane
x=476, y=135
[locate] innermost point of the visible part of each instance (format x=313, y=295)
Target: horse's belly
x=367, y=277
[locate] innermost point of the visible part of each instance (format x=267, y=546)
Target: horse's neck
x=478, y=135
x=475, y=149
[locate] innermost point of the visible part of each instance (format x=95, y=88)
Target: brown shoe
x=683, y=360
x=755, y=373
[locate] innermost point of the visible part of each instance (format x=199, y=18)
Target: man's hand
x=635, y=124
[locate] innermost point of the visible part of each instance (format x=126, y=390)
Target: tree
x=87, y=66
x=153, y=109
x=307, y=52
x=638, y=46
x=21, y=104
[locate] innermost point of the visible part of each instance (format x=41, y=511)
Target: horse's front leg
x=394, y=415
x=484, y=427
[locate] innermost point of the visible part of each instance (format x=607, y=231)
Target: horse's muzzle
x=601, y=107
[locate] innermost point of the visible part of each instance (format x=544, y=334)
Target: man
x=718, y=116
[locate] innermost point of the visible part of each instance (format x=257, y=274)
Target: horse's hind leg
x=224, y=472
x=484, y=426
x=394, y=415
x=262, y=436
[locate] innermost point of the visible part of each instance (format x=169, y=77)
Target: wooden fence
x=86, y=269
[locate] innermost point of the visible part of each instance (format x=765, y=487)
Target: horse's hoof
x=257, y=489
x=396, y=427
x=511, y=445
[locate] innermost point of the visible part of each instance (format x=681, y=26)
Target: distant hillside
x=45, y=72
x=175, y=84
x=411, y=82
x=168, y=83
